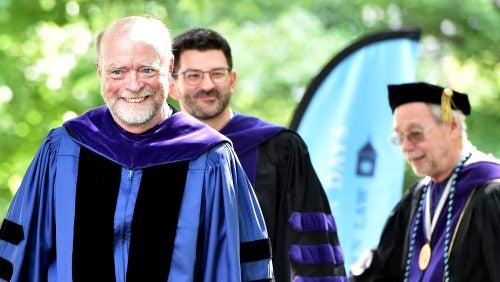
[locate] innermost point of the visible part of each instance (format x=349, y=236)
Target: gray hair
x=436, y=111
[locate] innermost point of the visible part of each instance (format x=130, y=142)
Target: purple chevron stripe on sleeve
x=312, y=221
x=314, y=254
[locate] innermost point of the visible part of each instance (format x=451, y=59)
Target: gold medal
x=425, y=256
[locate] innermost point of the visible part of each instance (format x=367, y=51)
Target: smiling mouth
x=134, y=99
x=207, y=94
x=415, y=157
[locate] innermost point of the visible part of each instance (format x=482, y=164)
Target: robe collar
x=249, y=132
x=177, y=138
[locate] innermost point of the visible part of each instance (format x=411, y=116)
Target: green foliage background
x=48, y=73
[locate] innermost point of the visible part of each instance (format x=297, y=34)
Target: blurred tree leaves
x=48, y=73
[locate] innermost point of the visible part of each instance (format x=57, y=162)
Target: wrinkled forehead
x=411, y=114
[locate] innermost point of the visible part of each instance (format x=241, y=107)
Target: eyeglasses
x=414, y=136
x=195, y=77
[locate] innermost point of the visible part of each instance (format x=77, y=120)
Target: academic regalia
x=474, y=229
x=296, y=210
x=98, y=203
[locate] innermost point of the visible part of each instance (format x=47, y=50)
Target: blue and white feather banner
x=345, y=120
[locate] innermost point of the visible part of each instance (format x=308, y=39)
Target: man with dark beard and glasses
x=276, y=160
x=134, y=190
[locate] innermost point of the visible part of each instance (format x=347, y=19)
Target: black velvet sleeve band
x=5, y=269
x=255, y=250
x=11, y=232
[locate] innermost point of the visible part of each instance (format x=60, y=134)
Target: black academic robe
x=296, y=210
x=475, y=247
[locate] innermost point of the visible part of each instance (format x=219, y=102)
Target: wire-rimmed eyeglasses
x=414, y=136
x=195, y=77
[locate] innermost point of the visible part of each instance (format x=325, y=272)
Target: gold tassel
x=446, y=102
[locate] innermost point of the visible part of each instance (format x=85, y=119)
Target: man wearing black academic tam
x=446, y=227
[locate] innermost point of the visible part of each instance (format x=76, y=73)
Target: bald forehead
x=137, y=29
